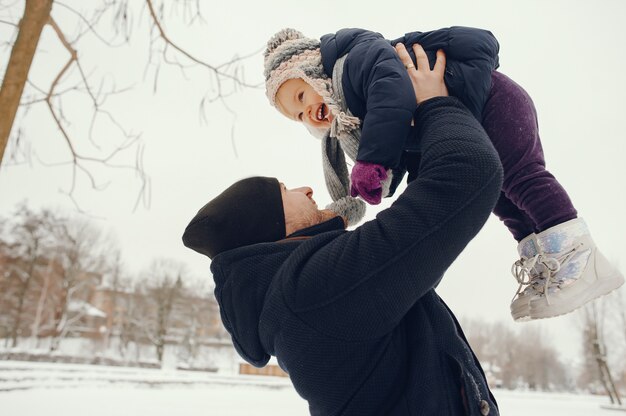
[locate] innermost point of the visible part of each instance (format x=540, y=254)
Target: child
x=353, y=91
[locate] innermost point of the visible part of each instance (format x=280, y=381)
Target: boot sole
x=607, y=286
x=521, y=313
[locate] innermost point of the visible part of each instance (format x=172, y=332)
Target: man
x=352, y=316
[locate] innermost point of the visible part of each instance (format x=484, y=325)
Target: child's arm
x=381, y=84
x=472, y=55
x=385, y=103
x=378, y=79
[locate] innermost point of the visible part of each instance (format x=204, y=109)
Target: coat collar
x=334, y=224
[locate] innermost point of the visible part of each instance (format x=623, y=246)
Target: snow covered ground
x=36, y=389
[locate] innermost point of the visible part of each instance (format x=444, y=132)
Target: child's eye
x=301, y=96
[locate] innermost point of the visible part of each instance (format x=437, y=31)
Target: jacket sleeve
x=360, y=284
x=380, y=80
x=471, y=57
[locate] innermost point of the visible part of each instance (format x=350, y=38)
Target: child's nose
x=310, y=112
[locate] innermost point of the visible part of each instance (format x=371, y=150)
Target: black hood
x=243, y=277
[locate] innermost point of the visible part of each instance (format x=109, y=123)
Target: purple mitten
x=367, y=181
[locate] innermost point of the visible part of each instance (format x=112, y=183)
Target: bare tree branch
x=30, y=102
x=91, y=25
x=195, y=16
x=6, y=22
x=216, y=70
x=238, y=58
x=225, y=80
x=121, y=15
x=76, y=158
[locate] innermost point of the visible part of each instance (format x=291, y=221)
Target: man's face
x=297, y=100
x=300, y=208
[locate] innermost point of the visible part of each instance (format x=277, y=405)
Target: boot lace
x=523, y=270
x=552, y=266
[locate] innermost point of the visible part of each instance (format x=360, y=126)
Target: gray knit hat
x=290, y=55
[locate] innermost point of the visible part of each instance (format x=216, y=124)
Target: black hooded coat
x=352, y=316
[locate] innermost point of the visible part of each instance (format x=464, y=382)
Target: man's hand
x=426, y=83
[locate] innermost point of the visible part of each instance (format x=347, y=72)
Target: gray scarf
x=344, y=135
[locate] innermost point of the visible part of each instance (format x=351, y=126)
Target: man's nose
x=305, y=190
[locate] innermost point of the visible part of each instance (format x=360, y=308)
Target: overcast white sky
x=569, y=55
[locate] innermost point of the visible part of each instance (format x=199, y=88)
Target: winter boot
x=527, y=272
x=575, y=270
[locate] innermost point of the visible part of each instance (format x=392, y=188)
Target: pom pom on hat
x=280, y=37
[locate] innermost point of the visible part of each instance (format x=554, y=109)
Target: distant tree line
x=525, y=357
x=518, y=359
x=62, y=277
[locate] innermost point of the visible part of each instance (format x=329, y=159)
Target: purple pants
x=532, y=200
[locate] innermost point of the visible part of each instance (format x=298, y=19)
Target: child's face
x=298, y=101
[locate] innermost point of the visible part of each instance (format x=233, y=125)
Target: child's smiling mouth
x=322, y=113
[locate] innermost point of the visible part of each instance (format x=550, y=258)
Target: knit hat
x=248, y=212
x=289, y=54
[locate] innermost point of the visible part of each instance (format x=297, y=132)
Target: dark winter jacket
x=378, y=89
x=352, y=315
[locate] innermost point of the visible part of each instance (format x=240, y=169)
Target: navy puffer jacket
x=378, y=89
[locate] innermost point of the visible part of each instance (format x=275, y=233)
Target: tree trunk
x=36, y=15
x=40, y=304
x=22, y=297
x=20, y=308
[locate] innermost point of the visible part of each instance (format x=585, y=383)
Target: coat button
x=484, y=407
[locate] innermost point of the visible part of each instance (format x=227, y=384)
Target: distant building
x=271, y=369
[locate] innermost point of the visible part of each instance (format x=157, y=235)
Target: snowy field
x=37, y=389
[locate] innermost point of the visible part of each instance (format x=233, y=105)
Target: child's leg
x=510, y=119
x=568, y=270
x=518, y=223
